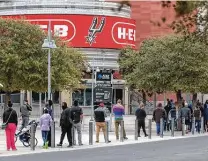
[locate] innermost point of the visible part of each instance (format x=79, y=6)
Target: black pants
x=141, y=124
x=49, y=138
x=68, y=131
x=166, y=125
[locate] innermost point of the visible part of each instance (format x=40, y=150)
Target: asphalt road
x=191, y=149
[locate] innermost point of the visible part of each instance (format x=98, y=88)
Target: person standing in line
x=25, y=113
x=197, y=115
x=140, y=116
x=172, y=115
x=66, y=125
x=205, y=111
x=45, y=123
x=158, y=113
x=167, y=109
x=77, y=116
x=118, y=111
x=49, y=107
x=100, y=116
x=10, y=119
x=185, y=112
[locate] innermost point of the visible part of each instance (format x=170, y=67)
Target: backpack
x=76, y=113
x=173, y=113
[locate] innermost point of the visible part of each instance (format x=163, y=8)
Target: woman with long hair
x=10, y=119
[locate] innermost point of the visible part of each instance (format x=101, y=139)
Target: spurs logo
x=93, y=30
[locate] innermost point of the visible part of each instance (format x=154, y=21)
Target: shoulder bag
x=4, y=125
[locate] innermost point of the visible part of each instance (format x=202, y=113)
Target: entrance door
x=119, y=94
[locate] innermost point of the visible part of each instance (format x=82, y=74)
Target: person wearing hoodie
x=66, y=125
x=167, y=109
x=25, y=113
x=185, y=112
x=172, y=115
x=10, y=119
x=118, y=111
x=140, y=116
x=49, y=107
x=158, y=113
x=197, y=115
x=45, y=123
x=77, y=116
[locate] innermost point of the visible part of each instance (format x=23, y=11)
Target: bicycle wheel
x=36, y=141
x=26, y=143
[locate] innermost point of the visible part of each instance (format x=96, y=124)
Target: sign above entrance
x=104, y=77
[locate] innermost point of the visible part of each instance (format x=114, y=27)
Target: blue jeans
x=198, y=125
x=158, y=128
x=44, y=136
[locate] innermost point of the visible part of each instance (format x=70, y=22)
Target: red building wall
x=146, y=12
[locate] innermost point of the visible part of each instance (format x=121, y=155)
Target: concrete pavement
x=23, y=150
x=129, y=126
x=189, y=149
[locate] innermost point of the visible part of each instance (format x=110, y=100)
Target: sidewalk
x=23, y=150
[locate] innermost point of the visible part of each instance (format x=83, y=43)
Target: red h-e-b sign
x=83, y=31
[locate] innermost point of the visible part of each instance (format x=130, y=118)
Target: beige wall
x=66, y=97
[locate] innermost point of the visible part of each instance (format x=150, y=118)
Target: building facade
x=94, y=27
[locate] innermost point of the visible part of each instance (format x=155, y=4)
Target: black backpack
x=76, y=113
x=173, y=113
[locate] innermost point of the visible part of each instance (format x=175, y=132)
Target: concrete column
x=66, y=97
x=29, y=97
x=126, y=100
x=22, y=97
x=205, y=97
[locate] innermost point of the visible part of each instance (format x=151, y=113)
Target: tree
x=23, y=62
x=191, y=19
x=173, y=63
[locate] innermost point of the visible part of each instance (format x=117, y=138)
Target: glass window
x=78, y=95
x=35, y=97
x=15, y=98
x=88, y=97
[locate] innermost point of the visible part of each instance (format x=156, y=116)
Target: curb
x=102, y=145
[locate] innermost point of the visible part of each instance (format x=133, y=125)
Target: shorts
x=187, y=122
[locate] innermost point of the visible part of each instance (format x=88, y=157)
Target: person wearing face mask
x=25, y=113
x=49, y=107
x=66, y=125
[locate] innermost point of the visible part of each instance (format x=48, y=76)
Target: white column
x=31, y=101
x=2, y=103
x=126, y=100
x=205, y=97
x=22, y=97
x=29, y=97
x=45, y=98
x=40, y=104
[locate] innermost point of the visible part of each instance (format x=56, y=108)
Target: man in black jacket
x=66, y=125
x=100, y=115
x=141, y=115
